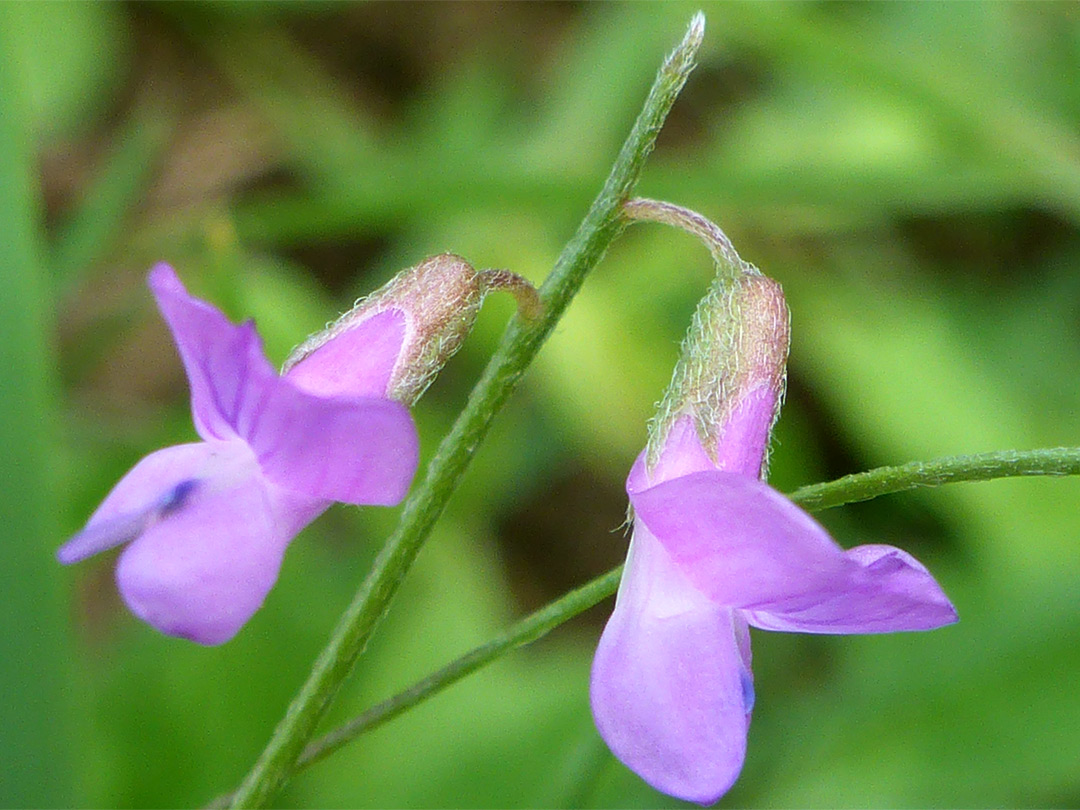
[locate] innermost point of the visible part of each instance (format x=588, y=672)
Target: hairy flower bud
x=435, y=303
x=731, y=374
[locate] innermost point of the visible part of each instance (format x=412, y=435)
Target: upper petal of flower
x=671, y=687
x=745, y=545
x=216, y=354
x=682, y=454
x=354, y=361
x=201, y=569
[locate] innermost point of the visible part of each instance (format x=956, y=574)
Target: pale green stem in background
x=519, y=345
x=816, y=497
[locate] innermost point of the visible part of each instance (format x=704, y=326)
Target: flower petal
x=886, y=591
x=358, y=451
x=216, y=353
x=671, y=685
x=356, y=361
x=737, y=539
x=149, y=488
x=201, y=570
x=682, y=454
x=745, y=545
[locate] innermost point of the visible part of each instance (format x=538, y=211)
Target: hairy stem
x=952, y=469
x=519, y=345
x=642, y=209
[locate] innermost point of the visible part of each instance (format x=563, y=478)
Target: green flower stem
x=816, y=497
x=950, y=470
x=723, y=252
x=535, y=626
x=516, y=350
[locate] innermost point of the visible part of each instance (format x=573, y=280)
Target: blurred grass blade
x=87, y=235
x=963, y=99
x=36, y=770
x=327, y=137
x=606, y=60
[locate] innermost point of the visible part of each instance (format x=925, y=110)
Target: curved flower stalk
x=207, y=524
x=716, y=550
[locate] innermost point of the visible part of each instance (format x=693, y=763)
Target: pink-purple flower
x=206, y=524
x=716, y=550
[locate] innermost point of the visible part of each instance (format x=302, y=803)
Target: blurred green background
x=910, y=172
